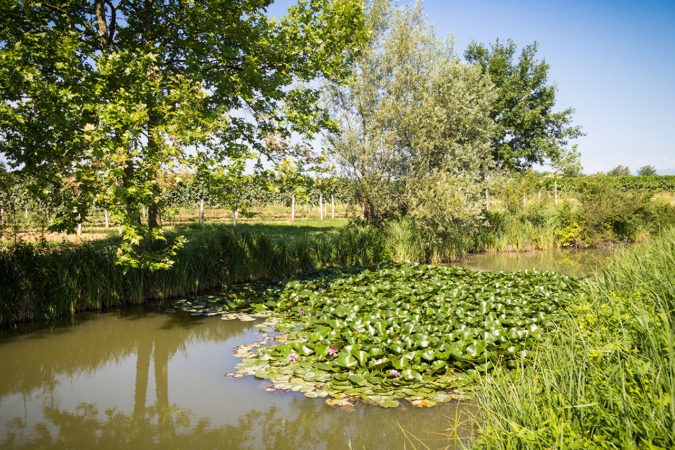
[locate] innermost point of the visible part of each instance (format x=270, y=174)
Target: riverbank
x=605, y=377
x=45, y=282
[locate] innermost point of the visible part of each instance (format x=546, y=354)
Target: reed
x=605, y=377
x=46, y=282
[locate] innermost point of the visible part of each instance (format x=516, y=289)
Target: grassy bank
x=606, y=376
x=46, y=282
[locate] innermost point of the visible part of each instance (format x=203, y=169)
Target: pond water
x=577, y=262
x=140, y=378
x=147, y=379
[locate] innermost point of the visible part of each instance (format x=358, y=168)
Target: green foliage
x=414, y=127
x=646, y=171
x=398, y=330
x=619, y=171
x=41, y=283
x=527, y=130
x=654, y=183
x=106, y=97
x=605, y=377
x=606, y=214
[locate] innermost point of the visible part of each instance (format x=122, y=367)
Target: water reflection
x=577, y=262
x=148, y=380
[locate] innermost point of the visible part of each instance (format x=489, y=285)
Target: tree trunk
x=105, y=213
x=293, y=209
x=201, y=211
x=368, y=213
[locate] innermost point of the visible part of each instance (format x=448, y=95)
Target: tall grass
x=46, y=282
x=606, y=376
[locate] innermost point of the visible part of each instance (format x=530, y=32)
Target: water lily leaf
x=347, y=361
x=361, y=356
x=411, y=374
x=401, y=363
x=428, y=354
x=357, y=378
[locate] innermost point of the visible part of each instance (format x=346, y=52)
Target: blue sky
x=613, y=61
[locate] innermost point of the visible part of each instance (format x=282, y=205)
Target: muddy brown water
x=140, y=378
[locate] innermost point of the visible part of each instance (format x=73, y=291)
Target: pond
x=146, y=379
x=576, y=262
x=140, y=378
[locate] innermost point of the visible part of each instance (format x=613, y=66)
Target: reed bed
x=605, y=378
x=46, y=282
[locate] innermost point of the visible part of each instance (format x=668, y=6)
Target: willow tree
x=414, y=123
x=104, y=96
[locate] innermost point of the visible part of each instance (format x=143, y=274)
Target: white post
x=79, y=225
x=234, y=217
x=201, y=211
x=143, y=210
x=332, y=207
x=105, y=214
x=321, y=205
x=293, y=208
x=25, y=213
x=555, y=187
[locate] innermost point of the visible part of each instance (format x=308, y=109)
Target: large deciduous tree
x=104, y=96
x=414, y=124
x=527, y=129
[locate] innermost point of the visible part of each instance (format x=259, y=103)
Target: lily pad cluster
x=418, y=332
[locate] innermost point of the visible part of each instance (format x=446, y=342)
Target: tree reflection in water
x=43, y=360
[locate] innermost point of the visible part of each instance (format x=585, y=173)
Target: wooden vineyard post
x=293, y=208
x=105, y=214
x=332, y=207
x=321, y=205
x=555, y=190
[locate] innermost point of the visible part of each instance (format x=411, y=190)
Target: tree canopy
x=619, y=171
x=527, y=129
x=414, y=124
x=102, y=97
x=646, y=171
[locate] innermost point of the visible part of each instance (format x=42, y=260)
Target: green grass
x=605, y=378
x=46, y=282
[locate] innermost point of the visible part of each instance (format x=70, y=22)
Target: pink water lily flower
x=394, y=372
x=292, y=357
x=301, y=312
x=332, y=350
